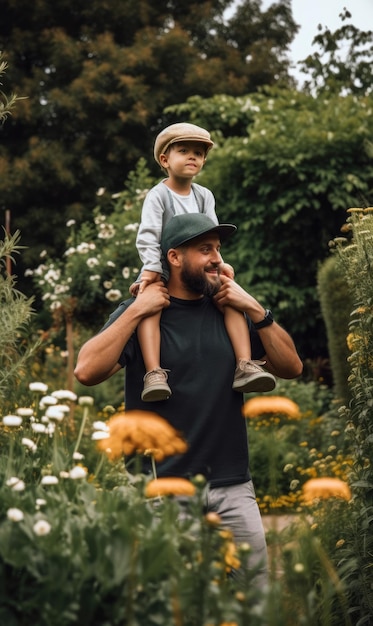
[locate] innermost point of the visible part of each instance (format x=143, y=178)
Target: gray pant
x=239, y=512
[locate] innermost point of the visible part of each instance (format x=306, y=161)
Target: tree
x=286, y=181
x=97, y=77
x=344, y=63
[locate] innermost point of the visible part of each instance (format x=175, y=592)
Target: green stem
x=81, y=430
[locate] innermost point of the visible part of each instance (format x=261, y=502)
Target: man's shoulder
x=123, y=306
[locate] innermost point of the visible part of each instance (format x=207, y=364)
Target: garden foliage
x=336, y=307
x=355, y=257
x=16, y=345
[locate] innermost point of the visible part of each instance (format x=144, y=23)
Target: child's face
x=184, y=159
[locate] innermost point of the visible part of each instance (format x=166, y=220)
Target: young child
x=181, y=151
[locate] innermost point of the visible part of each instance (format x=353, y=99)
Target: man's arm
x=281, y=356
x=98, y=358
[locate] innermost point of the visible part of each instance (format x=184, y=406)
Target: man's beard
x=197, y=281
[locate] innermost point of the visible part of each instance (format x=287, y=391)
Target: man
x=196, y=347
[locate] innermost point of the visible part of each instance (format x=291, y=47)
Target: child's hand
x=227, y=270
x=134, y=289
x=147, y=278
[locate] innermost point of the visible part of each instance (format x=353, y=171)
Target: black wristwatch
x=266, y=321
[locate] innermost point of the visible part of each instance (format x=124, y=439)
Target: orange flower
x=169, y=487
x=324, y=488
x=270, y=404
x=138, y=431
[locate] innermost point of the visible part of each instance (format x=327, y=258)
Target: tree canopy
x=97, y=77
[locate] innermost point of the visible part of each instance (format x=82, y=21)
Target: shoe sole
x=155, y=394
x=255, y=383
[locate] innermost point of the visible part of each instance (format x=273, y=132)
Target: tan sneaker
x=155, y=386
x=249, y=376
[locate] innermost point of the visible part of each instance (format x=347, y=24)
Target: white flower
x=100, y=426
x=47, y=401
x=49, y=480
x=41, y=527
x=12, y=420
x=113, y=295
x=126, y=272
x=131, y=227
x=288, y=467
x=55, y=305
x=107, y=284
x=64, y=394
x=92, y=262
x=25, y=411
x=82, y=248
x=29, y=444
x=15, y=515
x=100, y=191
x=95, y=277
x=40, y=502
x=70, y=251
x=64, y=474
x=70, y=223
x=38, y=387
x=106, y=231
x=53, y=413
x=78, y=472
x=100, y=434
x=110, y=264
x=86, y=401
x=77, y=456
x=38, y=428
x=15, y=483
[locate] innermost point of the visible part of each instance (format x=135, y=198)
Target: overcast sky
x=310, y=13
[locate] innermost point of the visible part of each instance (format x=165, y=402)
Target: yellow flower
x=169, y=487
x=230, y=556
x=270, y=404
x=138, y=432
x=324, y=488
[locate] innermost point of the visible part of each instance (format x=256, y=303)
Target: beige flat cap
x=180, y=132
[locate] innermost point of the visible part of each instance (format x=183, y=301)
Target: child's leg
x=249, y=376
x=155, y=379
x=238, y=332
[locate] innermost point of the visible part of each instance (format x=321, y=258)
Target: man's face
x=200, y=270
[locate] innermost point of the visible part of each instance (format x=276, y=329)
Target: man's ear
x=173, y=257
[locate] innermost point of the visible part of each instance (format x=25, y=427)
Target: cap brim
x=200, y=139
x=224, y=231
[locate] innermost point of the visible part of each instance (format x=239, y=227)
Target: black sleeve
x=128, y=347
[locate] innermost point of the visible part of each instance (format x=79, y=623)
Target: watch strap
x=266, y=321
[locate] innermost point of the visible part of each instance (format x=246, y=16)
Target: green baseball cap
x=182, y=228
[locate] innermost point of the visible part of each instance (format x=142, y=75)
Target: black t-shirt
x=196, y=349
